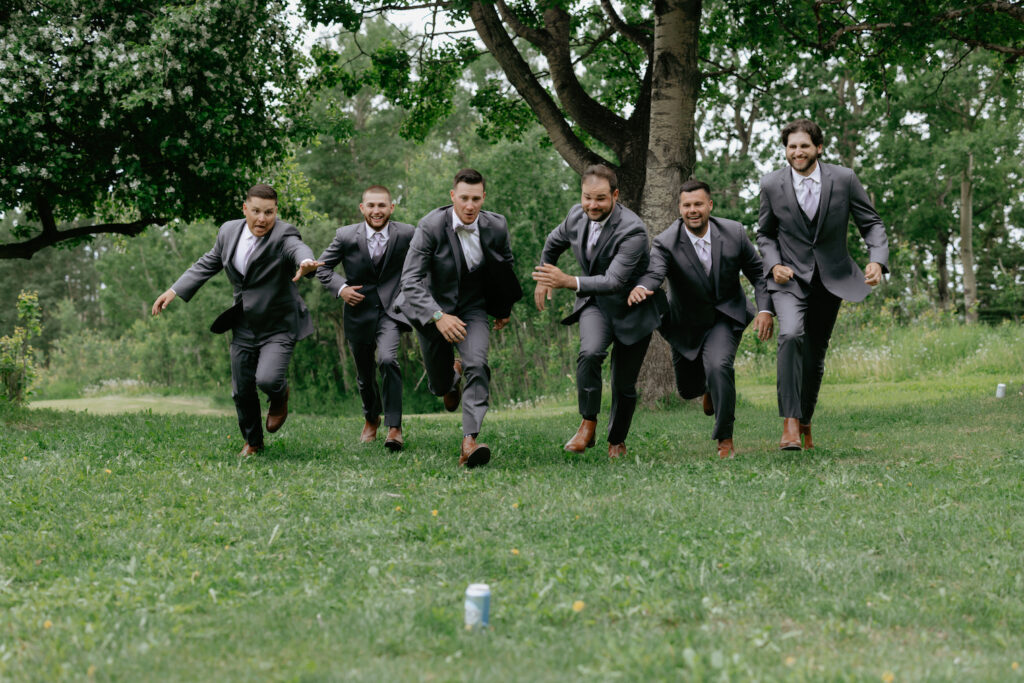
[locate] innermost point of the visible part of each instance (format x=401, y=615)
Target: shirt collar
x=694, y=239
x=456, y=222
x=370, y=231
x=815, y=175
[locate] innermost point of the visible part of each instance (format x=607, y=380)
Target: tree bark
x=966, y=241
x=671, y=150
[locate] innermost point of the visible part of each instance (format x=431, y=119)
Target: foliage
x=17, y=369
x=137, y=547
x=140, y=113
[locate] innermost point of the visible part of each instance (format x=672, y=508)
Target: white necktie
x=595, y=233
x=377, y=246
x=704, y=254
x=808, y=202
x=470, y=245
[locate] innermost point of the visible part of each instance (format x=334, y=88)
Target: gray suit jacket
x=266, y=299
x=783, y=238
x=694, y=298
x=350, y=250
x=430, y=276
x=620, y=258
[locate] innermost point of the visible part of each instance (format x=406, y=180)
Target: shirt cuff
x=768, y=312
x=577, y=284
x=342, y=289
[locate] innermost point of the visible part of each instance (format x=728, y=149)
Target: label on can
x=478, y=605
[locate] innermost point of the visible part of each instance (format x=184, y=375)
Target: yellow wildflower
x=578, y=606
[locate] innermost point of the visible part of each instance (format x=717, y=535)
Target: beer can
x=1000, y=390
x=478, y=605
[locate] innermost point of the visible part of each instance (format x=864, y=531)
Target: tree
x=116, y=116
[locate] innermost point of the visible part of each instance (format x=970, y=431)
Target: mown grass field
x=136, y=547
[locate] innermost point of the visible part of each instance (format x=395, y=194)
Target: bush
x=17, y=371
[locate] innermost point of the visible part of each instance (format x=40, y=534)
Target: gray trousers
x=805, y=327
x=712, y=371
x=383, y=356
x=257, y=363
x=439, y=355
x=596, y=335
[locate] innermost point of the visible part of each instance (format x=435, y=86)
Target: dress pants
x=438, y=357
x=596, y=335
x=805, y=327
x=258, y=362
x=712, y=371
x=386, y=351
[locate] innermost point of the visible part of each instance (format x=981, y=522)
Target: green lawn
x=137, y=547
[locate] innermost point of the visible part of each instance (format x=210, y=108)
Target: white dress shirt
x=590, y=226
x=813, y=186
x=471, y=249
x=247, y=244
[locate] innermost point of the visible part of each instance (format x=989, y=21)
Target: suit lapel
x=686, y=246
x=716, y=256
x=453, y=241
x=362, y=246
x=261, y=246
x=789, y=195
x=826, y=195
x=579, y=245
x=610, y=226
x=233, y=239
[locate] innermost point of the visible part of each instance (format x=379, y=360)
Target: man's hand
x=451, y=328
x=540, y=293
x=161, y=301
x=764, y=325
x=873, y=274
x=639, y=294
x=553, y=277
x=782, y=274
x=500, y=323
x=351, y=295
x=305, y=268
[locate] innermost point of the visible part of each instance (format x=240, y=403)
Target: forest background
x=936, y=136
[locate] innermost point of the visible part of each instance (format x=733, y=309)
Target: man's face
x=260, y=214
x=597, y=198
x=467, y=200
x=801, y=153
x=376, y=209
x=695, y=209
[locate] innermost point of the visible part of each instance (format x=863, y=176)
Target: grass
x=136, y=547
x=117, y=405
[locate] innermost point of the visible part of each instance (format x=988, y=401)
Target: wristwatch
x=437, y=315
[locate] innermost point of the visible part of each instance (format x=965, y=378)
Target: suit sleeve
x=754, y=272
x=657, y=270
x=208, y=265
x=869, y=223
x=419, y=304
x=296, y=250
x=618, y=276
x=556, y=243
x=331, y=257
x=768, y=234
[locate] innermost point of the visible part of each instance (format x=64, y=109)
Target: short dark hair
x=262, y=191
x=470, y=176
x=803, y=126
x=601, y=171
x=375, y=188
x=692, y=185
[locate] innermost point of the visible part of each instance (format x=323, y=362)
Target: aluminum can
x=1000, y=390
x=478, y=605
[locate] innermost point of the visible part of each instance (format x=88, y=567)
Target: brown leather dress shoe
x=709, y=407
x=584, y=437
x=726, y=450
x=369, y=432
x=805, y=431
x=616, y=450
x=248, y=450
x=474, y=454
x=454, y=395
x=278, y=412
x=394, y=441
x=790, y=434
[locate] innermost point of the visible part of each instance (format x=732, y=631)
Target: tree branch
x=538, y=38
x=51, y=236
x=639, y=36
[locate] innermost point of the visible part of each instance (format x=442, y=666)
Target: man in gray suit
x=457, y=272
x=257, y=253
x=803, y=222
x=371, y=254
x=707, y=310
x=610, y=245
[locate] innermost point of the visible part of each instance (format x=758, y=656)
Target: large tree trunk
x=671, y=150
x=967, y=241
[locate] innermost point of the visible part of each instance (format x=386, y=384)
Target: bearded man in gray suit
x=257, y=253
x=802, y=231
x=371, y=254
x=702, y=258
x=457, y=273
x=611, y=248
